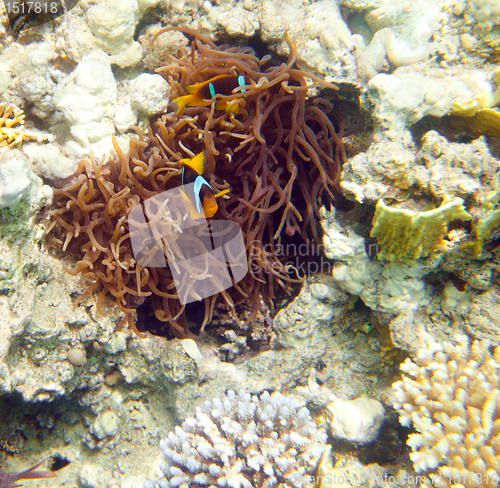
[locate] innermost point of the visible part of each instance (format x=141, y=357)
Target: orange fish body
x=202, y=94
x=196, y=190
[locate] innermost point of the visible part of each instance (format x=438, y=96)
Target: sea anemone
x=277, y=150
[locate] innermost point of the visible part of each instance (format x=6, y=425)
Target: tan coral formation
x=11, y=125
x=450, y=393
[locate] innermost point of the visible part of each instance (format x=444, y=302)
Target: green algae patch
x=15, y=221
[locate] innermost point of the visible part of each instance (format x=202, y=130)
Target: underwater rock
x=367, y=176
x=168, y=43
x=113, y=24
x=150, y=94
x=356, y=420
x=477, y=312
x=238, y=22
x=319, y=302
x=442, y=168
x=400, y=35
x=323, y=38
x=77, y=356
x=340, y=242
x=249, y=18
x=17, y=181
x=349, y=472
x=106, y=425
x=91, y=476
x=387, y=288
x=87, y=98
x=455, y=169
x=407, y=96
x=49, y=162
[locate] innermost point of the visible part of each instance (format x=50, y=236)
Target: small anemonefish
x=202, y=94
x=197, y=192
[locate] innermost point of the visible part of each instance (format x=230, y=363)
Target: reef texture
x=450, y=394
x=243, y=441
x=428, y=84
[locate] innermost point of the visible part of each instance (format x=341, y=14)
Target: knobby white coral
x=243, y=441
x=451, y=394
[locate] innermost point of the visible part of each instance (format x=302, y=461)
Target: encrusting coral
x=243, y=441
x=276, y=151
x=407, y=235
x=451, y=395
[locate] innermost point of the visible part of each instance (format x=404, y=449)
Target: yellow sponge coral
x=407, y=235
x=11, y=125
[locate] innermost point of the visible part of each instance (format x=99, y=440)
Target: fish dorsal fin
x=197, y=163
x=193, y=88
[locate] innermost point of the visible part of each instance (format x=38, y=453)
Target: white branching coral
x=243, y=441
x=451, y=395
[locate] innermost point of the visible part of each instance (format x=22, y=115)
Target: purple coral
x=243, y=441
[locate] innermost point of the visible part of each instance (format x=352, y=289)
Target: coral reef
x=87, y=99
x=272, y=195
x=450, y=169
x=407, y=235
x=18, y=182
x=356, y=420
x=450, y=393
x=388, y=288
x=11, y=125
x=246, y=441
x=319, y=302
x=401, y=36
x=442, y=168
x=487, y=227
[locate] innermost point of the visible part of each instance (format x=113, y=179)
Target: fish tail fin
x=183, y=101
x=32, y=473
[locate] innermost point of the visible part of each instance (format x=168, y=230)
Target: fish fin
x=193, y=88
x=222, y=192
x=197, y=163
x=183, y=101
x=232, y=108
x=194, y=214
x=221, y=105
x=31, y=473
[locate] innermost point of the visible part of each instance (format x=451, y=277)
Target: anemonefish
x=196, y=190
x=202, y=94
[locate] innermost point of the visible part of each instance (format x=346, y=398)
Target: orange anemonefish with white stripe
x=202, y=94
x=196, y=190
